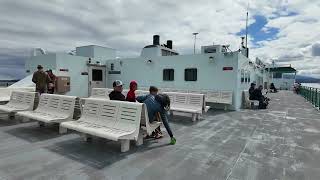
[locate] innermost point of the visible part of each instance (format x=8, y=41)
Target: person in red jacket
x=131, y=96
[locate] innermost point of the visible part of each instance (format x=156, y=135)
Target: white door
x=97, y=77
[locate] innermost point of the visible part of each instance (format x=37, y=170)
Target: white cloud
x=127, y=26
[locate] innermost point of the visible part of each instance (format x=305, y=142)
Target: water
x=314, y=85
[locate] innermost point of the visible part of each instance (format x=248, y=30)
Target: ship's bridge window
x=277, y=75
x=210, y=50
x=190, y=74
x=168, y=74
x=242, y=76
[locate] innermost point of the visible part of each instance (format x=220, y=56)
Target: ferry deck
x=282, y=142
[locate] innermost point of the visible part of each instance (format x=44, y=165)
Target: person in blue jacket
x=159, y=103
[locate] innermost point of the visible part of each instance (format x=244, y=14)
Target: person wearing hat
x=116, y=94
x=41, y=79
x=158, y=104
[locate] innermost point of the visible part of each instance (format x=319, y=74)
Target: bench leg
x=86, y=137
x=25, y=119
x=140, y=139
x=63, y=130
x=41, y=124
x=11, y=115
x=125, y=145
x=194, y=117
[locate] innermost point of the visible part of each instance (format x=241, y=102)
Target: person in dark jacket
x=159, y=103
x=251, y=90
x=273, y=88
x=116, y=94
x=257, y=95
x=41, y=79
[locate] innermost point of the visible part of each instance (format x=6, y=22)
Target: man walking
x=41, y=79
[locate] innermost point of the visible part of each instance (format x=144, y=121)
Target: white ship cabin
x=215, y=69
x=283, y=76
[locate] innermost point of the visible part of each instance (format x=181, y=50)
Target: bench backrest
x=186, y=99
x=22, y=99
x=99, y=93
x=129, y=117
x=59, y=104
x=226, y=97
x=100, y=112
x=124, y=116
x=5, y=93
x=213, y=96
x=141, y=92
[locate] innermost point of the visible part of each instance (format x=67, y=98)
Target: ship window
x=210, y=50
x=277, y=75
x=247, y=77
x=190, y=74
x=242, y=76
x=96, y=75
x=112, y=67
x=168, y=74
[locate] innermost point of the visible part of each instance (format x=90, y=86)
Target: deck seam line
x=244, y=148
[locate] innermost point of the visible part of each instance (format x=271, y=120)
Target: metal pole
x=194, y=44
x=247, y=29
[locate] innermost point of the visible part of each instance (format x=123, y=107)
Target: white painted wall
x=75, y=65
x=48, y=61
x=210, y=74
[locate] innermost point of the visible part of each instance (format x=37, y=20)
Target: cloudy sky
x=287, y=31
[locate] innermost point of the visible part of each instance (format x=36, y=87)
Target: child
x=131, y=96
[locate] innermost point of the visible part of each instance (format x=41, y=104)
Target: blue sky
x=287, y=32
x=255, y=30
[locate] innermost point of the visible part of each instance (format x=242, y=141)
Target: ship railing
x=312, y=95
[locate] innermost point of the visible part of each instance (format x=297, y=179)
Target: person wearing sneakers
x=159, y=103
x=116, y=94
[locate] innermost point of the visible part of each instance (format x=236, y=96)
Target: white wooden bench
x=113, y=120
x=220, y=97
x=249, y=103
x=52, y=108
x=19, y=101
x=187, y=103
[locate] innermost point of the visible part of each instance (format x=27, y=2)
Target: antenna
x=247, y=26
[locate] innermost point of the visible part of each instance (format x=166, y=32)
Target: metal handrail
x=311, y=94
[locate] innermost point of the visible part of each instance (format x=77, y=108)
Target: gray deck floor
x=282, y=142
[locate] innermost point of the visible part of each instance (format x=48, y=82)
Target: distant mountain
x=306, y=79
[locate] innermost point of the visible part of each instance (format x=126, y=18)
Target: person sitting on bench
x=116, y=94
x=257, y=95
x=159, y=103
x=273, y=88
